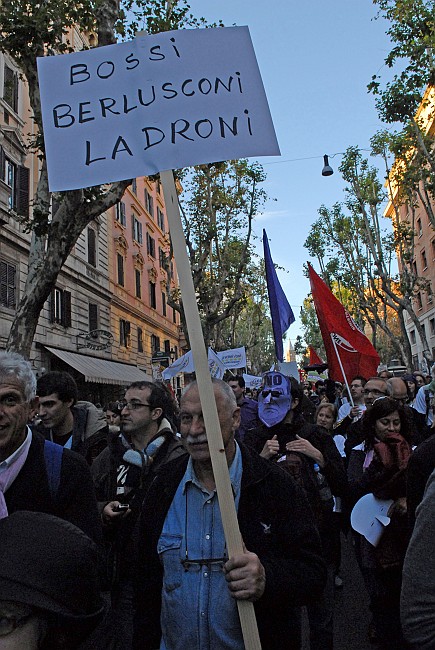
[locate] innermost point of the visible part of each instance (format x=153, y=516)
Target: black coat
x=75, y=500
x=290, y=552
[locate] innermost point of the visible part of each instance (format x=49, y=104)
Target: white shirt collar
x=23, y=448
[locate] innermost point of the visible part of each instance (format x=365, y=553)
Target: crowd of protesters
x=111, y=534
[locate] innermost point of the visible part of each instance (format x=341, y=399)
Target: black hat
x=49, y=564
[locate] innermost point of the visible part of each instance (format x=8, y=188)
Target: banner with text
x=159, y=102
x=235, y=358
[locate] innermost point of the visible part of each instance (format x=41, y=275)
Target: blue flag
x=280, y=310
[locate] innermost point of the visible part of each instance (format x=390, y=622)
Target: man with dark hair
x=357, y=392
x=187, y=586
x=248, y=407
x=122, y=474
x=79, y=426
x=35, y=474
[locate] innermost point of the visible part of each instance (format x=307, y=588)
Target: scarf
x=387, y=470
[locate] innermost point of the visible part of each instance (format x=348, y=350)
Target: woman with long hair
x=379, y=466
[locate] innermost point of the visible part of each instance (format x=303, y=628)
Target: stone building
x=107, y=320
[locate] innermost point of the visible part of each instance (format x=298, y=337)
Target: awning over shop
x=101, y=371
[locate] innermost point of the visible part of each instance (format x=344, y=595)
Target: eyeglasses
x=213, y=564
x=10, y=623
x=133, y=406
x=373, y=391
x=274, y=393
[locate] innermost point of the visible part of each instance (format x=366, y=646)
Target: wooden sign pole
x=219, y=463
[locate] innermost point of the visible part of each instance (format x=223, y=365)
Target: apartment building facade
x=107, y=320
x=424, y=252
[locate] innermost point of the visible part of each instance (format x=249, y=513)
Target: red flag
x=344, y=341
x=314, y=357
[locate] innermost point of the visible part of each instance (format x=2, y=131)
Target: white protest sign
x=369, y=517
x=163, y=101
x=252, y=381
x=234, y=358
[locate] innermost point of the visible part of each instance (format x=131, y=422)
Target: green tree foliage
x=354, y=248
x=412, y=33
x=31, y=29
x=218, y=204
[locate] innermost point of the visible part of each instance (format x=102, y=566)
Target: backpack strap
x=53, y=463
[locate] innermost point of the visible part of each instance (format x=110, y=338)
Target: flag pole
x=342, y=369
x=230, y=524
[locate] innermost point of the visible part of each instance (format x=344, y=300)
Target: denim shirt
x=198, y=612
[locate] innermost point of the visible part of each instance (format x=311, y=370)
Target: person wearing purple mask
x=299, y=447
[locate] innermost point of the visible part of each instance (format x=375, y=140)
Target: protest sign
x=162, y=101
x=234, y=358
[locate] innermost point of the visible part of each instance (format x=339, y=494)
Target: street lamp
x=327, y=169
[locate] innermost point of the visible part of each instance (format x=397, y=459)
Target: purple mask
x=275, y=400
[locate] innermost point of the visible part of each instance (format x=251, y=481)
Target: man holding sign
x=187, y=587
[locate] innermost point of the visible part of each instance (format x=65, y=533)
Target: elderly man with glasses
x=374, y=387
x=122, y=473
x=187, y=585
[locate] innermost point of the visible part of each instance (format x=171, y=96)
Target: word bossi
x=155, y=103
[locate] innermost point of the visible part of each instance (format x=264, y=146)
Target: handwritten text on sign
x=170, y=100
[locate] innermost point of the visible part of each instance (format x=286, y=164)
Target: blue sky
x=316, y=59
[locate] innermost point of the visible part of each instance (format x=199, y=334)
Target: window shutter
x=3, y=283
x=52, y=303
x=92, y=253
x=12, y=274
x=123, y=217
x=2, y=164
x=66, y=309
x=93, y=316
x=22, y=191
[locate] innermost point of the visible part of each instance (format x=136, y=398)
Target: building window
x=415, y=362
x=167, y=345
x=414, y=267
x=124, y=333
x=419, y=228
x=139, y=339
x=155, y=344
x=138, y=283
x=149, y=203
x=17, y=178
x=412, y=337
x=10, y=88
x=433, y=248
x=153, y=302
x=121, y=274
x=60, y=307
x=120, y=213
x=93, y=316
x=424, y=260
x=424, y=331
x=419, y=301
x=160, y=220
x=174, y=315
x=162, y=258
x=92, y=247
x=432, y=326
x=163, y=303
x=8, y=279
x=136, y=229
x=134, y=186
x=151, y=245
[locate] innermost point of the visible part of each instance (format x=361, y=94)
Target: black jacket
x=334, y=468
x=75, y=500
x=290, y=551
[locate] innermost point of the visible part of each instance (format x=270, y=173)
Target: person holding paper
x=187, y=587
x=378, y=466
